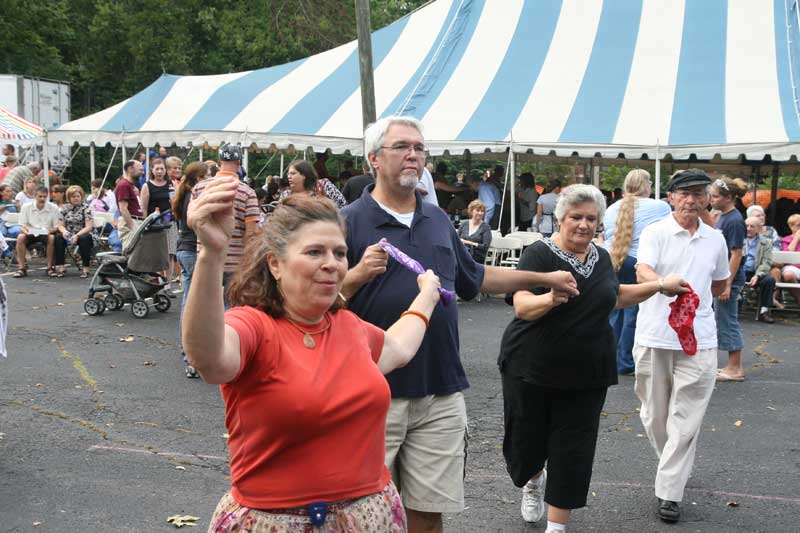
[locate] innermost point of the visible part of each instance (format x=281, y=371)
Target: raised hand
x=210, y=215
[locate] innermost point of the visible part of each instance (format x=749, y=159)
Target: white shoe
x=533, y=506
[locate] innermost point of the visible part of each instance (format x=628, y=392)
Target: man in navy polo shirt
x=426, y=424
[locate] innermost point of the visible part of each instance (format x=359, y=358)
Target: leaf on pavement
x=732, y=504
x=120, y=324
x=738, y=423
x=771, y=408
x=180, y=468
x=37, y=523
x=129, y=338
x=185, y=520
x=149, y=363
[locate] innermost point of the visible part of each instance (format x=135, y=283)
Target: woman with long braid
x=623, y=223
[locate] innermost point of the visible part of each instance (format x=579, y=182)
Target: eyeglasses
x=405, y=148
x=721, y=184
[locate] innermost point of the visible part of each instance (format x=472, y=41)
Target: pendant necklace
x=308, y=340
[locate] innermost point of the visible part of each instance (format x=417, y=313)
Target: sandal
x=21, y=273
x=84, y=275
x=723, y=376
x=51, y=273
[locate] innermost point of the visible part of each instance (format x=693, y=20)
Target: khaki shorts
x=426, y=449
x=125, y=233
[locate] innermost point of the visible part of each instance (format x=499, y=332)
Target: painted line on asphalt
x=149, y=452
x=634, y=485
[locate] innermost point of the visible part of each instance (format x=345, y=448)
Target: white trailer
x=41, y=101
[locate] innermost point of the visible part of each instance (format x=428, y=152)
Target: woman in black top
x=187, y=240
x=475, y=233
x=558, y=358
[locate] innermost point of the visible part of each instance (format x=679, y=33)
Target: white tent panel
x=266, y=109
x=752, y=112
x=550, y=102
x=393, y=73
x=476, y=71
x=183, y=100
x=647, y=106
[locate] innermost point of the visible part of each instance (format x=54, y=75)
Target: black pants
x=765, y=287
x=84, y=249
x=557, y=427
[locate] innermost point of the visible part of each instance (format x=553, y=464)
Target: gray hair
x=376, y=132
x=580, y=194
x=753, y=208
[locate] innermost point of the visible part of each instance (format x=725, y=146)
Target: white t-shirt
x=403, y=218
x=699, y=259
x=23, y=198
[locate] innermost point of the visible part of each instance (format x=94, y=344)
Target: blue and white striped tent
x=677, y=77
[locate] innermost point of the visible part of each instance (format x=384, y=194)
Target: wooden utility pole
x=365, y=62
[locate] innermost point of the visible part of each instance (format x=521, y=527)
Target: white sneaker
x=533, y=506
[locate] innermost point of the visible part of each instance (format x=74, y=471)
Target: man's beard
x=408, y=181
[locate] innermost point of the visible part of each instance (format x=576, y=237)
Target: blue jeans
x=13, y=232
x=729, y=335
x=187, y=260
x=114, y=241
x=623, y=321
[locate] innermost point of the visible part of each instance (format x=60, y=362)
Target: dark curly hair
x=253, y=284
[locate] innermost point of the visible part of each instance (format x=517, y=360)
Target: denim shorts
x=729, y=334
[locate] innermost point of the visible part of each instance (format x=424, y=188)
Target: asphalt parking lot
x=101, y=431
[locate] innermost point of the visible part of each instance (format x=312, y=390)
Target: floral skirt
x=379, y=512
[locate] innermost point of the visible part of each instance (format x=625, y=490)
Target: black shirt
x=355, y=186
x=187, y=239
x=572, y=346
x=159, y=197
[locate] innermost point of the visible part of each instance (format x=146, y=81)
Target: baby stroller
x=131, y=277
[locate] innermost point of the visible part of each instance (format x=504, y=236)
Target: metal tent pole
x=513, y=174
x=658, y=171
x=92, y=170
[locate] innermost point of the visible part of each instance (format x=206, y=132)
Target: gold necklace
x=308, y=340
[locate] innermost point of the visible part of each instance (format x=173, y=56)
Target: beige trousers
x=125, y=233
x=674, y=389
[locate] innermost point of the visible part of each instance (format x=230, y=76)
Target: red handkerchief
x=681, y=319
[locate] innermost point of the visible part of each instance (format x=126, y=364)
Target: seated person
x=113, y=238
x=76, y=228
x=475, y=233
x=791, y=243
x=57, y=194
x=757, y=263
x=26, y=195
x=38, y=222
x=7, y=206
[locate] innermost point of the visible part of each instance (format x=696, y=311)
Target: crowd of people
x=339, y=365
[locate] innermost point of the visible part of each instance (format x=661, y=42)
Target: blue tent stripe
x=137, y=110
x=597, y=106
x=790, y=119
x=698, y=113
x=443, y=65
x=316, y=107
x=511, y=87
x=228, y=101
x=397, y=103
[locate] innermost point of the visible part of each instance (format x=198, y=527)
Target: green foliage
x=613, y=177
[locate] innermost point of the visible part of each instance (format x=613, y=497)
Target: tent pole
x=773, y=197
x=513, y=175
x=46, y=159
x=281, y=174
x=92, y=170
x=146, y=161
x=757, y=172
x=200, y=157
x=658, y=172
x=245, y=158
x=124, y=154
